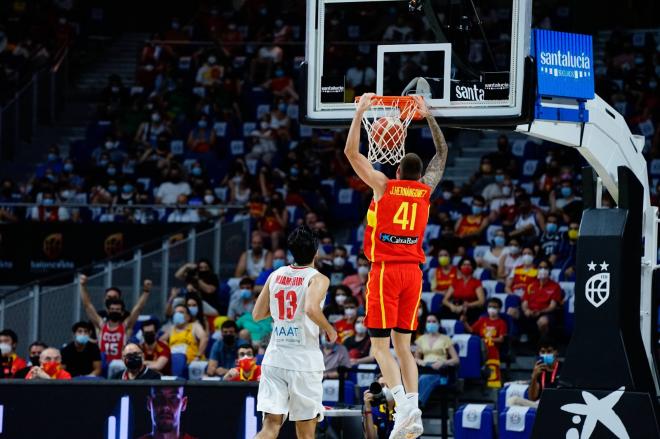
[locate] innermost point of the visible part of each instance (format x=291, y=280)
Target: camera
x=377, y=391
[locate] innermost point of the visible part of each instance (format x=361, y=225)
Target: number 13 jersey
x=396, y=223
x=294, y=342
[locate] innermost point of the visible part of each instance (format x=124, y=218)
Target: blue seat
x=179, y=365
x=349, y=395
x=452, y=326
x=485, y=430
x=468, y=348
x=509, y=390
x=87, y=378
x=436, y=302
x=512, y=418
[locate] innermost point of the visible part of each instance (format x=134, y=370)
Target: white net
x=386, y=123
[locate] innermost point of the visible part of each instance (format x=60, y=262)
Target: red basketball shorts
x=393, y=292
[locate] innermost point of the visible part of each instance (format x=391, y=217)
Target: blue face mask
x=103, y=163
x=196, y=171
x=551, y=227
x=50, y=177
x=476, y=210
x=193, y=310
x=566, y=191
x=112, y=171
x=294, y=172
x=52, y=157
x=201, y=124
x=112, y=188
x=47, y=201
x=246, y=294
x=499, y=178
x=432, y=328
x=178, y=318
x=548, y=359
x=282, y=108
x=82, y=338
x=279, y=73
x=499, y=241
x=68, y=167
x=127, y=188
x=278, y=263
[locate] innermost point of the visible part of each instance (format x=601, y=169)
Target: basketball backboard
x=471, y=53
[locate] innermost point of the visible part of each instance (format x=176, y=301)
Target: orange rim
x=405, y=104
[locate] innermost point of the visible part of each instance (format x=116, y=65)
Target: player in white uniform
x=292, y=368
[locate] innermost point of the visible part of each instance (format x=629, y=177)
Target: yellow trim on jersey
x=419, y=299
x=373, y=232
x=380, y=287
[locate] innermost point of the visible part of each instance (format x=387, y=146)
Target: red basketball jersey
x=396, y=223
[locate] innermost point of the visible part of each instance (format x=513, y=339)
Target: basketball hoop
x=386, y=123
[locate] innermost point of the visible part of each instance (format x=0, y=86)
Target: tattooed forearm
x=436, y=166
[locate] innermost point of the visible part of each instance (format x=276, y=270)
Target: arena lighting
x=2, y=411
x=112, y=427
x=250, y=418
x=123, y=421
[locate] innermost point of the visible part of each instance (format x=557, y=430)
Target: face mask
x=543, y=273
x=340, y=299
x=229, y=339
x=5, y=348
x=446, y=195
x=360, y=328
x=566, y=191
x=103, y=163
x=294, y=172
x=263, y=125
x=527, y=259
x=47, y=201
x=551, y=227
x=443, y=260
x=432, y=328
x=338, y=262
x=279, y=73
x=363, y=271
x=149, y=337
x=327, y=248
x=350, y=312
x=278, y=263
x=114, y=316
x=282, y=108
x=208, y=199
x=52, y=157
x=506, y=190
x=34, y=360
x=212, y=60
x=68, y=167
x=178, y=318
x=112, y=171
x=133, y=361
x=246, y=294
x=476, y=210
x=155, y=117
x=196, y=172
x=109, y=144
x=127, y=188
x=246, y=363
x=51, y=367
x=548, y=359
x=193, y=310
x=514, y=249
x=112, y=188
x=466, y=270
x=493, y=312
x=82, y=338
x=573, y=234
x=201, y=124
x=499, y=241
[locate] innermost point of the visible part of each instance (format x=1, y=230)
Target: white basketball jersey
x=294, y=342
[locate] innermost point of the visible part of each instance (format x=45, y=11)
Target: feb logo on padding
x=597, y=288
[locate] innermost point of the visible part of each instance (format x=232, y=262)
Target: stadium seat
x=452, y=327
x=196, y=370
x=510, y=390
x=568, y=288
x=331, y=392
x=516, y=422
x=436, y=303
x=469, y=355
x=115, y=366
x=179, y=366
x=490, y=287
x=474, y=421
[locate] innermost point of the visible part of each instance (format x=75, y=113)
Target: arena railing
x=37, y=311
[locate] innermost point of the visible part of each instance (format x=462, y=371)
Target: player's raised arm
x=436, y=166
x=372, y=178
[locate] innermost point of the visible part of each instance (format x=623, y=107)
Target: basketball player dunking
x=396, y=221
x=292, y=369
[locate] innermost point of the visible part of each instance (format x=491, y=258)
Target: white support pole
x=76, y=299
x=137, y=274
x=2, y=313
x=108, y=274
x=191, y=244
x=217, y=242
x=34, y=326
x=165, y=267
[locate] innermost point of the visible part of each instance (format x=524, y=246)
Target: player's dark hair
x=303, y=244
x=495, y=301
x=410, y=167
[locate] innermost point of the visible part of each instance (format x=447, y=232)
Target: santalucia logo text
x=561, y=59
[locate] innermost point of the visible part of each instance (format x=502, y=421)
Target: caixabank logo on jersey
x=564, y=64
x=393, y=239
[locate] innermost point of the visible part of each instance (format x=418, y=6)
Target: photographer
x=378, y=410
x=199, y=278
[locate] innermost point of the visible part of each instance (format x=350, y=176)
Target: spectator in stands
x=466, y=295
x=183, y=213
x=570, y=204
x=339, y=268
x=551, y=240
x=470, y=227
x=224, y=351
x=149, y=131
x=136, y=369
x=259, y=330
x=156, y=353
x=482, y=178
x=434, y=350
x=360, y=77
x=279, y=261
x=82, y=357
x=528, y=223
x=246, y=366
x=239, y=191
x=346, y=326
x=359, y=344
x=445, y=273
x=201, y=138
x=114, y=332
x=113, y=293
x=34, y=351
x=174, y=186
x=196, y=308
x=334, y=308
x=335, y=355
x=503, y=158
x=186, y=336
x=47, y=212
x=275, y=220
x=568, y=253
x=494, y=189
x=547, y=371
x=522, y=275
x=357, y=282
x=254, y=260
x=199, y=278
x=49, y=368
x=540, y=300
x=509, y=259
x=10, y=362
x=491, y=258
x=242, y=300
x=210, y=73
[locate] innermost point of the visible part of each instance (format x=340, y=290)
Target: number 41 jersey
x=396, y=223
x=294, y=342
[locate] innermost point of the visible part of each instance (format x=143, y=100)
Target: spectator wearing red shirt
x=492, y=329
x=157, y=353
x=465, y=297
x=246, y=366
x=356, y=282
x=10, y=363
x=540, y=300
x=445, y=273
x=470, y=227
x=346, y=326
x=50, y=367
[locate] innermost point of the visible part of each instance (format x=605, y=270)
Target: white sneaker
x=407, y=424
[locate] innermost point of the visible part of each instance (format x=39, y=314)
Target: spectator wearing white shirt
x=181, y=214
x=361, y=77
x=46, y=212
x=169, y=191
x=210, y=72
x=509, y=259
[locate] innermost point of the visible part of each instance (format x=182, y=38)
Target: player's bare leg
x=271, y=426
x=388, y=365
x=306, y=429
x=410, y=375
